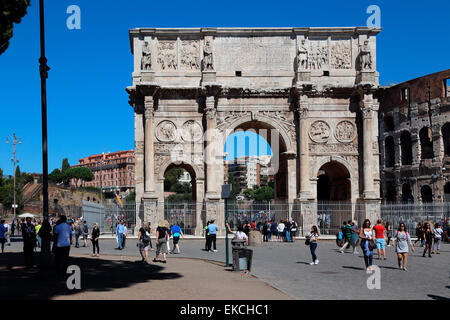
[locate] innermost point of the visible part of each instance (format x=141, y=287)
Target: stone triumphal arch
x=311, y=92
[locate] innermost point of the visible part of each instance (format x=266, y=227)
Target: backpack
x=85, y=229
x=145, y=238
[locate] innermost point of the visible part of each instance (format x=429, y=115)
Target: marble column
x=149, y=148
x=139, y=167
x=305, y=186
x=210, y=154
x=367, y=113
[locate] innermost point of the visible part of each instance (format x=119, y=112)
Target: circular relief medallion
x=319, y=131
x=345, y=131
x=192, y=131
x=165, y=131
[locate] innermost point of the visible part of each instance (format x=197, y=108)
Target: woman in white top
x=239, y=234
x=366, y=234
x=312, y=237
x=437, y=238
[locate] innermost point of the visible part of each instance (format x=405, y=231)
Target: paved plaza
x=285, y=266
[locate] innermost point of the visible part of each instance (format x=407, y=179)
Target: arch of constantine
x=311, y=92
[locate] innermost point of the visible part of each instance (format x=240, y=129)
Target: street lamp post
x=14, y=140
x=43, y=70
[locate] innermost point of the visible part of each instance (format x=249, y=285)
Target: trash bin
x=242, y=258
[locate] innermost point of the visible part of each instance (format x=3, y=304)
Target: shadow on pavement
x=354, y=268
x=434, y=297
x=97, y=274
x=301, y=262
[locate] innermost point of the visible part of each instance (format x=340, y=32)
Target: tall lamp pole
x=14, y=161
x=43, y=70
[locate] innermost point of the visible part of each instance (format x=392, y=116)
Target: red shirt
x=253, y=225
x=379, y=230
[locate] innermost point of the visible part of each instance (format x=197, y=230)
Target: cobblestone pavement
x=338, y=275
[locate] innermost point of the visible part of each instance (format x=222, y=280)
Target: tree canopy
x=11, y=11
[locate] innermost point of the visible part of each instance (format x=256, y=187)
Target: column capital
x=210, y=109
x=366, y=112
x=149, y=106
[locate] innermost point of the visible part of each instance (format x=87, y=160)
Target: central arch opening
x=256, y=166
x=180, y=196
x=334, y=205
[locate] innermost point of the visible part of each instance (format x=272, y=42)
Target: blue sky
x=88, y=109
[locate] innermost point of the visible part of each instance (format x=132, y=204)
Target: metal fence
x=183, y=214
x=113, y=213
x=413, y=213
x=331, y=215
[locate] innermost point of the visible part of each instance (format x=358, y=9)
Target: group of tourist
x=211, y=236
x=284, y=231
x=378, y=237
x=163, y=234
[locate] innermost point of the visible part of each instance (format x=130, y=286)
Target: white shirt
x=281, y=227
x=241, y=235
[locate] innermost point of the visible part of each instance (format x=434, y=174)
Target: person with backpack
x=311, y=240
x=401, y=242
x=144, y=241
x=161, y=241
x=347, y=236
x=176, y=233
x=85, y=233
x=437, y=238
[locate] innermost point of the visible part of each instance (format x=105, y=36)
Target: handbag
x=372, y=245
x=307, y=242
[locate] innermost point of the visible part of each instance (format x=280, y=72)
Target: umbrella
x=27, y=215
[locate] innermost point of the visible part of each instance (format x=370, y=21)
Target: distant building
x=113, y=171
x=249, y=171
x=185, y=178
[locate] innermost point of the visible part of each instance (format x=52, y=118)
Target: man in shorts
x=144, y=242
x=176, y=233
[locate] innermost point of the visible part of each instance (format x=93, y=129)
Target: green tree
x=65, y=165
x=11, y=11
x=79, y=174
x=1, y=177
x=171, y=178
x=234, y=185
x=18, y=173
x=55, y=176
x=131, y=197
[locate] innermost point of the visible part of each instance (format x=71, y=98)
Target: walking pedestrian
x=428, y=235
x=401, y=242
x=78, y=232
x=63, y=238
x=380, y=236
x=280, y=229
x=388, y=233
x=437, y=238
x=311, y=239
x=120, y=231
x=347, y=236
x=13, y=226
x=95, y=236
x=2, y=235
x=367, y=243
x=161, y=242
x=355, y=236
x=29, y=242
x=144, y=241
x=212, y=236
x=176, y=234
x=419, y=234
x=85, y=233
x=7, y=233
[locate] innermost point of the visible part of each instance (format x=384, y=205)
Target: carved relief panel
x=190, y=55
x=167, y=55
x=345, y=131
x=166, y=131
x=319, y=131
x=318, y=55
x=341, y=54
